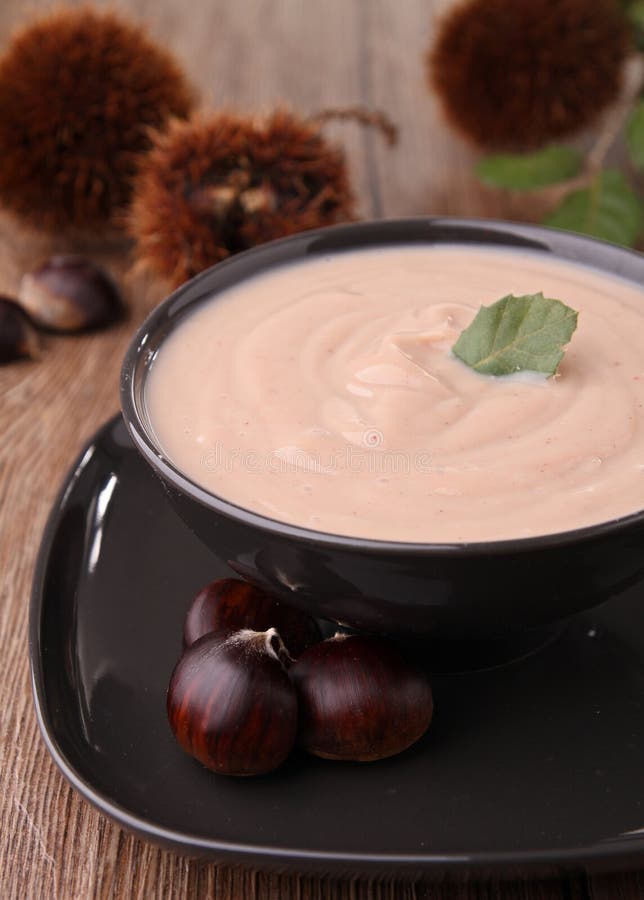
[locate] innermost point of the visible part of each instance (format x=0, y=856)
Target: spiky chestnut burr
x=80, y=90
x=222, y=183
x=517, y=75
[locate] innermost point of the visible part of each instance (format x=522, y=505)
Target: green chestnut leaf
x=635, y=135
x=635, y=15
x=608, y=209
x=527, y=171
x=517, y=333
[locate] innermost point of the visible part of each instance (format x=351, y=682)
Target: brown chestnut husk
x=70, y=293
x=231, y=703
x=359, y=699
x=230, y=604
x=18, y=337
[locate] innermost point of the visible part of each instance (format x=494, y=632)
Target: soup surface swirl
x=324, y=394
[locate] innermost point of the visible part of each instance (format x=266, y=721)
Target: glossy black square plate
x=536, y=766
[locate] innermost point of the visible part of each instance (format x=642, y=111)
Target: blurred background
x=251, y=55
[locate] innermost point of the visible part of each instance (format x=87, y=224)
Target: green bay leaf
x=608, y=209
x=517, y=333
x=527, y=171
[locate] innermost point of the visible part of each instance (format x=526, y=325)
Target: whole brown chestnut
x=18, y=337
x=359, y=699
x=231, y=703
x=70, y=293
x=230, y=605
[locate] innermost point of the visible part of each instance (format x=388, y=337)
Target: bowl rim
x=576, y=248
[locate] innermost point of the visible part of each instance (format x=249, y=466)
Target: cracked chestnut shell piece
x=231, y=703
x=230, y=604
x=18, y=337
x=359, y=699
x=70, y=293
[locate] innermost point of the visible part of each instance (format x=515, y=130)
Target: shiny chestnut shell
x=231, y=703
x=18, y=338
x=230, y=604
x=70, y=293
x=359, y=699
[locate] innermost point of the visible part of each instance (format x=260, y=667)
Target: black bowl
x=467, y=590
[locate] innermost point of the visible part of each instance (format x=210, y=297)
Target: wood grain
x=250, y=54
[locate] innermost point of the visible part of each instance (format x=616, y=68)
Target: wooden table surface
x=250, y=54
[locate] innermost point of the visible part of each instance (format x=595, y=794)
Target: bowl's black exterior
x=401, y=589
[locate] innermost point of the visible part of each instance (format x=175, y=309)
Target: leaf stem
x=615, y=119
x=632, y=84
x=372, y=118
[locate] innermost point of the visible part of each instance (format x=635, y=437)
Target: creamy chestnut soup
x=325, y=394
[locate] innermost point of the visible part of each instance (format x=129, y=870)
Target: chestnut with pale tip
x=70, y=293
x=18, y=337
x=230, y=604
x=231, y=703
x=359, y=699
